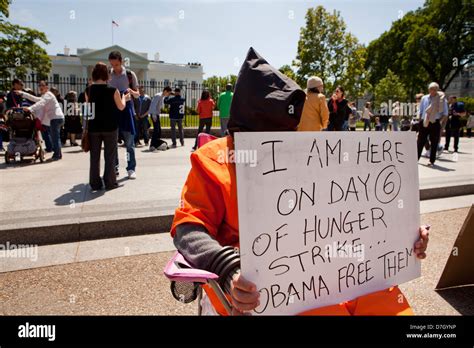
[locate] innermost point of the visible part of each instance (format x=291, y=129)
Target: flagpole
x=112, y=24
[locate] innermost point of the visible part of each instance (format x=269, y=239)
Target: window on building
x=180, y=83
x=55, y=79
x=153, y=83
x=166, y=82
x=193, y=84
x=72, y=79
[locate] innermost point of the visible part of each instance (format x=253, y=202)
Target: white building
x=81, y=65
x=463, y=84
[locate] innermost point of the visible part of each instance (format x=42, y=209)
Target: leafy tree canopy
x=433, y=43
x=20, y=50
x=326, y=49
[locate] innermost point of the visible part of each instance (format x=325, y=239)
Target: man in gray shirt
x=155, y=108
x=125, y=81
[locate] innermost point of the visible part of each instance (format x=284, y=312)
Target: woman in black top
x=339, y=110
x=102, y=127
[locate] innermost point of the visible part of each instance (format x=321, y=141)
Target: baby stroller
x=25, y=137
x=187, y=282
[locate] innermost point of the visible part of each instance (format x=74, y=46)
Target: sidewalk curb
x=446, y=191
x=75, y=232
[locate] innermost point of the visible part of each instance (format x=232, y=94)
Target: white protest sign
x=326, y=217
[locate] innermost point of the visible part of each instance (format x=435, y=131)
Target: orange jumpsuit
x=209, y=198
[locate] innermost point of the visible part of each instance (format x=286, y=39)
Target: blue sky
x=214, y=33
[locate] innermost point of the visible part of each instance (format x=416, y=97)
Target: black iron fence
x=189, y=90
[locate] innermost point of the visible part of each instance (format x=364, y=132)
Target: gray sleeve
x=153, y=104
x=196, y=245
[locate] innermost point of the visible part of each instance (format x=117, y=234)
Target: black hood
x=264, y=98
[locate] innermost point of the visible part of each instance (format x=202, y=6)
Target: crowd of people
x=433, y=114
x=205, y=226
x=123, y=114
x=120, y=112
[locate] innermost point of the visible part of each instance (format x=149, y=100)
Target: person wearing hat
x=315, y=116
x=205, y=228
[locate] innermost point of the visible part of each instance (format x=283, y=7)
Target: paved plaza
x=57, y=193
x=98, y=278
x=124, y=276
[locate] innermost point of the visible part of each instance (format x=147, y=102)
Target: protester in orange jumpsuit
x=205, y=226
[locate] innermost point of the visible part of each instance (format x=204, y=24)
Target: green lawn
x=192, y=121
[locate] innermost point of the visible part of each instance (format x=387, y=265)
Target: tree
x=19, y=48
x=433, y=43
x=216, y=84
x=389, y=88
x=325, y=49
x=468, y=104
x=288, y=71
x=355, y=79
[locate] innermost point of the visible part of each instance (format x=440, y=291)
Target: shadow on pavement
x=78, y=194
x=444, y=159
x=462, y=298
x=24, y=163
x=438, y=167
x=76, y=151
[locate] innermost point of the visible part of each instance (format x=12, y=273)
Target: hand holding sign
x=245, y=296
x=327, y=217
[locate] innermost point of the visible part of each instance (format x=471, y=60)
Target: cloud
x=23, y=17
x=131, y=21
x=167, y=22
x=143, y=22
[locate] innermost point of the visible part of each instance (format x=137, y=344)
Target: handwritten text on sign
x=326, y=217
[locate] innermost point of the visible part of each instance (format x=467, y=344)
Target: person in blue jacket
x=177, y=111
